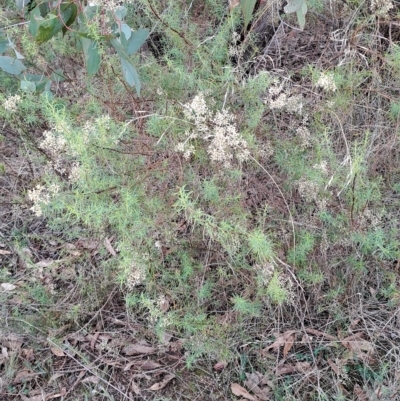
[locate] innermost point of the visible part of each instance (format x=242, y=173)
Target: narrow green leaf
x=11, y=65
x=47, y=95
x=73, y=9
x=58, y=76
x=136, y=40
x=4, y=45
x=21, y=3
x=130, y=74
x=89, y=12
x=92, y=56
x=126, y=30
x=44, y=9
x=48, y=28
x=40, y=81
x=34, y=21
x=47, y=87
x=247, y=7
x=293, y=6
x=120, y=49
x=301, y=15
x=28, y=86
x=88, y=36
x=120, y=12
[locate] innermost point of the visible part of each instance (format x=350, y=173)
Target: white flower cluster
x=109, y=5
x=305, y=136
x=322, y=167
x=74, y=172
x=308, y=189
x=11, y=103
x=266, y=272
x=326, y=82
x=136, y=276
x=53, y=144
x=381, y=7
x=280, y=98
x=226, y=141
x=41, y=196
x=218, y=130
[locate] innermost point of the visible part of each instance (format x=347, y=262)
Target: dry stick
x=350, y=174
x=73, y=358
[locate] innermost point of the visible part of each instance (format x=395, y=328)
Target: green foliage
x=46, y=22
x=245, y=307
x=260, y=246
x=277, y=293
x=300, y=8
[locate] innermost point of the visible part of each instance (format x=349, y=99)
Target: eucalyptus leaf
x=48, y=28
x=126, y=30
x=293, y=5
x=247, y=7
x=89, y=12
x=120, y=49
x=301, y=15
x=130, y=74
x=34, y=21
x=4, y=45
x=11, y=65
x=136, y=40
x=21, y=3
x=40, y=81
x=28, y=86
x=92, y=55
x=69, y=15
x=120, y=12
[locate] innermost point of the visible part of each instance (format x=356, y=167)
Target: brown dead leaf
x=138, y=349
x=164, y=304
x=299, y=367
x=109, y=247
x=87, y=243
x=220, y=365
x=289, y=343
x=148, y=365
x=142, y=365
x=93, y=340
x=321, y=334
x=135, y=388
x=361, y=349
x=24, y=375
x=13, y=342
x=360, y=393
x=233, y=4
x=55, y=377
x=28, y=354
x=160, y=385
x=91, y=379
x=44, y=263
x=254, y=384
x=354, y=323
x=57, y=351
x=333, y=366
x=3, y=252
x=39, y=397
x=282, y=340
x=240, y=391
